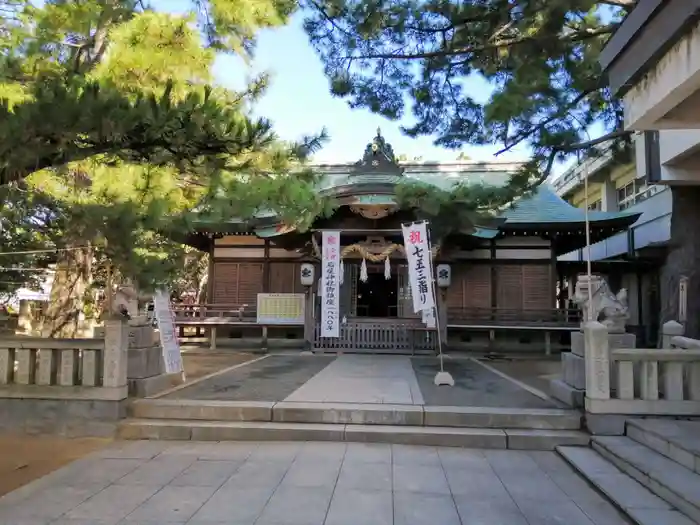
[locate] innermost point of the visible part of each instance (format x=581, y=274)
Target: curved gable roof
x=546, y=207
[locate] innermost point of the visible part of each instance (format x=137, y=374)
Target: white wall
x=671, y=82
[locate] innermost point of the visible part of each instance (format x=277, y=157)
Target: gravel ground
x=474, y=386
x=270, y=379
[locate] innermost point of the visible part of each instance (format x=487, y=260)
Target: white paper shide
x=330, y=284
x=420, y=275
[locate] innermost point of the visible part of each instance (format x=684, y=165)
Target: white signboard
x=420, y=274
x=330, y=284
x=683, y=300
x=168, y=336
x=281, y=308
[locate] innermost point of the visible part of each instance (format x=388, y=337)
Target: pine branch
x=627, y=4
x=502, y=44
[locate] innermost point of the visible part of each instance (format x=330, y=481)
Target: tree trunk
x=66, y=301
x=683, y=259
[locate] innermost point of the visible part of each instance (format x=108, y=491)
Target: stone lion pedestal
x=146, y=374
x=609, y=309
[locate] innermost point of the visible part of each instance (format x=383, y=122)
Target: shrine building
x=500, y=288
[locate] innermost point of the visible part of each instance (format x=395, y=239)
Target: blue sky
x=299, y=100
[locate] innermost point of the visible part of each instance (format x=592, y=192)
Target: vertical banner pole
x=435, y=308
x=418, y=238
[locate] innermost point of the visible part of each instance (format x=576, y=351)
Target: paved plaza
x=159, y=483
x=365, y=379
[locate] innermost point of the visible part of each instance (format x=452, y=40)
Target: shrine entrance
x=376, y=315
x=378, y=296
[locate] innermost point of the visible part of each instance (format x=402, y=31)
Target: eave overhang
x=644, y=36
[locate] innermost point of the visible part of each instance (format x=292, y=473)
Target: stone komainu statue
x=607, y=308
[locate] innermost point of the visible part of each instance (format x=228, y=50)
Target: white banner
x=166, y=328
x=420, y=275
x=330, y=284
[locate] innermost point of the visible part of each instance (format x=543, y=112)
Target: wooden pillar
x=309, y=322
x=266, y=268
x=210, y=289
x=643, y=328
x=266, y=288
x=442, y=315
x=210, y=271
x=494, y=278
x=561, y=300
x=553, y=275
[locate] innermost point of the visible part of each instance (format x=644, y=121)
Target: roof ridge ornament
x=378, y=158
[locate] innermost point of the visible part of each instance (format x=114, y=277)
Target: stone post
x=116, y=353
x=24, y=319
x=597, y=361
x=670, y=373
x=669, y=330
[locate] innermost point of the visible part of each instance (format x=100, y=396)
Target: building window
x=634, y=192
x=625, y=196
x=596, y=206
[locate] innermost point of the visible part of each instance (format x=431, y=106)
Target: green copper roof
x=485, y=233
x=374, y=200
x=546, y=207
x=371, y=181
x=445, y=179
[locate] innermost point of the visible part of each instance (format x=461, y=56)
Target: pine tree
x=539, y=56
x=108, y=116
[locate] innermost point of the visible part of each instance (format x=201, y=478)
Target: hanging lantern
x=444, y=275
x=387, y=268
x=363, y=271
x=306, y=274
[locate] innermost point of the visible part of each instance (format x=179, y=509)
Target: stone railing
x=53, y=384
x=84, y=363
x=642, y=381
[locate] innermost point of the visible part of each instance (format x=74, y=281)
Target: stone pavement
x=157, y=483
x=363, y=379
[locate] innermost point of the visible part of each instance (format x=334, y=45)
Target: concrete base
x=400, y=435
x=574, y=370
x=356, y=414
x=72, y=418
x=444, y=379
x=606, y=424
x=145, y=362
x=148, y=386
x=567, y=394
x=578, y=346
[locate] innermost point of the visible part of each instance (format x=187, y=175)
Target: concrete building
x=630, y=259
x=653, y=63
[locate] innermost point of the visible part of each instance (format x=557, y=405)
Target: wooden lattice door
x=405, y=298
x=348, y=291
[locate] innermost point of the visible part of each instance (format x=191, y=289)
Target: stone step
x=357, y=414
x=677, y=440
x=524, y=439
x=637, y=502
x=667, y=479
